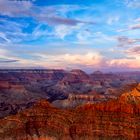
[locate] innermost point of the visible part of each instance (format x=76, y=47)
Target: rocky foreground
x=116, y=119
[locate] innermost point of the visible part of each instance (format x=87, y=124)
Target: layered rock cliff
x=117, y=119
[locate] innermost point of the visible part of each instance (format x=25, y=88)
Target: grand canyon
x=69, y=69
x=69, y=105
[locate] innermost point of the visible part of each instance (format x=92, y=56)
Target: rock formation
x=21, y=88
x=116, y=119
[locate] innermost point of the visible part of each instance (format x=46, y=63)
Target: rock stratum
x=116, y=119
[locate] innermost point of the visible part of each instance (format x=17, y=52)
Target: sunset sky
x=70, y=34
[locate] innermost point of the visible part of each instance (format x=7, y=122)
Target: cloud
x=135, y=50
x=134, y=27
x=126, y=42
x=84, y=36
x=62, y=31
x=95, y=38
x=15, y=8
x=137, y=19
x=125, y=63
x=57, y=57
x=59, y=20
x=131, y=59
x=8, y=61
x=52, y=15
x=7, y=57
x=58, y=15
x=132, y=3
x=88, y=59
x=55, y=20
x=113, y=19
x=10, y=26
x=64, y=60
x=15, y=31
x=4, y=37
x=12, y=31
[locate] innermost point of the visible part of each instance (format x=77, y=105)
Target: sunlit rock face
x=115, y=119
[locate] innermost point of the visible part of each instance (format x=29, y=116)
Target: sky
x=66, y=34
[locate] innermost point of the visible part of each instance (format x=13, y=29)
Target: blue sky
x=84, y=34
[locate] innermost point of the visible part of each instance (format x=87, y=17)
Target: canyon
x=116, y=119
x=21, y=88
x=69, y=105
